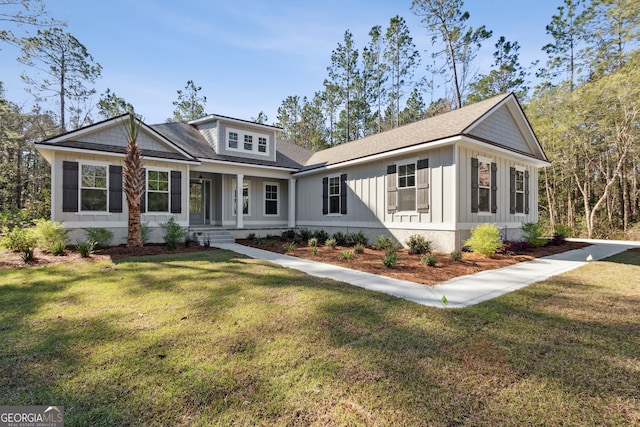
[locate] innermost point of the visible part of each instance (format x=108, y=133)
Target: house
x=222, y=176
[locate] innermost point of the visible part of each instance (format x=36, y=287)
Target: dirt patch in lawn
x=409, y=266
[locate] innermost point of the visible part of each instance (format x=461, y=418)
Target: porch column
x=239, y=201
x=292, y=202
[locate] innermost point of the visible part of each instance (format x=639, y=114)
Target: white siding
x=210, y=132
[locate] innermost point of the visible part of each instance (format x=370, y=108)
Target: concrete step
x=213, y=236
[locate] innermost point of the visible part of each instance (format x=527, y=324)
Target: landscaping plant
x=533, y=234
x=49, y=235
x=85, y=247
x=173, y=234
x=100, y=236
x=429, y=259
x=485, y=239
x=419, y=245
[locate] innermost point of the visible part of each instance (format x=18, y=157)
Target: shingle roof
x=188, y=138
x=428, y=130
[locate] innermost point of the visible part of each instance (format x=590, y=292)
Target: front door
x=199, y=201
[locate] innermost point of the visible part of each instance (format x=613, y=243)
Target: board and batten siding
x=367, y=194
x=256, y=216
x=115, y=221
x=503, y=216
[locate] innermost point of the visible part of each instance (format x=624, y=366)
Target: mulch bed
x=408, y=267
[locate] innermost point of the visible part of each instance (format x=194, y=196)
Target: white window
x=407, y=187
x=484, y=186
x=519, y=191
x=271, y=199
x=233, y=140
x=157, y=191
x=262, y=144
x=93, y=188
x=248, y=142
x=334, y=195
x=245, y=198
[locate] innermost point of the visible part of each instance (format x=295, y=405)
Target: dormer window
x=248, y=142
x=262, y=145
x=233, y=140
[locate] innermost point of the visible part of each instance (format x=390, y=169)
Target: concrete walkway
x=460, y=292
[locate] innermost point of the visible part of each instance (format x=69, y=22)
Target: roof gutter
x=51, y=147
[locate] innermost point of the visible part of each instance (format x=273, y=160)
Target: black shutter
x=143, y=197
x=392, y=194
x=176, y=192
x=423, y=185
x=512, y=190
x=494, y=188
x=115, y=188
x=343, y=194
x=526, y=192
x=325, y=195
x=474, y=185
x=69, y=186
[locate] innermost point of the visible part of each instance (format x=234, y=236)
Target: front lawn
x=210, y=338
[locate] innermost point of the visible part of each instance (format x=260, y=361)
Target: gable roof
x=454, y=123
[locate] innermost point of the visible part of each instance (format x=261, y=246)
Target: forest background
x=582, y=98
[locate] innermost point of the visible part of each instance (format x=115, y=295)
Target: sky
x=249, y=55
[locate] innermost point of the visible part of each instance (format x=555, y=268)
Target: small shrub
x=173, y=234
x=49, y=234
x=340, y=238
x=206, y=243
x=331, y=243
x=384, y=243
x=251, y=236
x=18, y=239
x=358, y=248
x=357, y=238
x=533, y=234
x=288, y=235
x=290, y=246
x=145, y=232
x=485, y=239
x=562, y=230
x=27, y=254
x=429, y=259
x=11, y=219
x=346, y=255
x=187, y=242
x=321, y=235
x=305, y=234
x=297, y=239
x=258, y=240
x=85, y=247
x=390, y=258
x=314, y=250
x=100, y=236
x=58, y=248
x=313, y=242
x=456, y=256
x=419, y=245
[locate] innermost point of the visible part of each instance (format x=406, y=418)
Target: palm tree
x=133, y=175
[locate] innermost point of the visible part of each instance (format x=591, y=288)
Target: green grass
x=211, y=338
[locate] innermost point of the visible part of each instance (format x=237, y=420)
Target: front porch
x=266, y=204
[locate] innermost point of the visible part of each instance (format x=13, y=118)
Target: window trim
x=234, y=200
x=277, y=199
x=263, y=142
x=248, y=142
x=405, y=162
x=147, y=191
x=82, y=163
